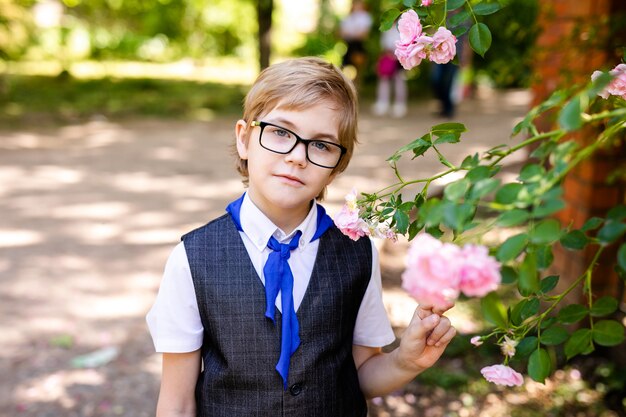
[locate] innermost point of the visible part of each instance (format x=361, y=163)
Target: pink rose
x=409, y=27
x=432, y=272
x=411, y=55
x=617, y=86
x=350, y=224
x=604, y=93
x=427, y=3
x=476, y=340
x=480, y=273
x=444, y=46
x=502, y=375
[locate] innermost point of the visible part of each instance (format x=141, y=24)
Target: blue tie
x=278, y=276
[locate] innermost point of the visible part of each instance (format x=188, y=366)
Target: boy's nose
x=297, y=155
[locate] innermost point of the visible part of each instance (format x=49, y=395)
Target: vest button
x=295, y=389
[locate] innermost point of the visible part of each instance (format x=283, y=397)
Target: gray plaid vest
x=241, y=346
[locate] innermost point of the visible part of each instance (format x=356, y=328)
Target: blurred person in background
x=354, y=30
x=391, y=75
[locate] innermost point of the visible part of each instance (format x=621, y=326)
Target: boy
x=225, y=317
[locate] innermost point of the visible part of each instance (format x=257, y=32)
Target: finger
x=421, y=312
x=446, y=338
x=439, y=331
x=440, y=309
x=420, y=329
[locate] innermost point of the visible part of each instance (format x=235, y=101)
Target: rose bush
x=446, y=259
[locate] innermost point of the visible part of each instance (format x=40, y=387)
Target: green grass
x=64, y=97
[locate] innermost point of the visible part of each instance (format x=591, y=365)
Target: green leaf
x=456, y=215
x=483, y=9
x=548, y=207
x=526, y=308
x=442, y=128
x=414, y=229
x=409, y=3
x=459, y=31
x=493, y=310
x=610, y=232
x=512, y=247
x=592, y=224
x=621, y=257
x=448, y=138
x=603, y=306
x=484, y=187
x=470, y=161
x=554, y=336
x=617, y=213
x=431, y=212
x=572, y=313
x=478, y=173
x=526, y=346
x=546, y=232
x=570, y=117
x=608, y=333
x=574, y=240
x=579, y=342
x=416, y=146
x=509, y=275
x=455, y=4
x=532, y=173
x=402, y=221
x=508, y=193
x=530, y=308
x=512, y=218
x=549, y=322
x=548, y=284
x=528, y=281
x=539, y=365
x=434, y=231
x=543, y=150
x=456, y=190
x=388, y=18
x=545, y=257
x=480, y=38
x=458, y=18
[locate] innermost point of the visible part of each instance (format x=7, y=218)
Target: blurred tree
x=15, y=28
x=264, y=15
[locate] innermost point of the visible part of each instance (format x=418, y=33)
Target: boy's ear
x=241, y=133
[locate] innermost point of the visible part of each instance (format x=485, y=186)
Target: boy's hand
x=425, y=339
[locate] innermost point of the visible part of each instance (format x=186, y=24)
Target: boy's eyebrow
x=286, y=123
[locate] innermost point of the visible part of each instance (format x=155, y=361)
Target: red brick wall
x=577, y=39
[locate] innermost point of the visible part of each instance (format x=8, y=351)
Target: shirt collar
x=259, y=228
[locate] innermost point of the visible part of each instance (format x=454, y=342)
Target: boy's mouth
x=290, y=179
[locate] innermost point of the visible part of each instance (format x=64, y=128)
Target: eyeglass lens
x=280, y=140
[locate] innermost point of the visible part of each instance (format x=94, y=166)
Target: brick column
x=577, y=38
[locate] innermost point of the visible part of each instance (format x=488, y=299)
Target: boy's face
x=284, y=184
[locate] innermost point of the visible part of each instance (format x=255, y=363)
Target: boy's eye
x=280, y=132
x=320, y=146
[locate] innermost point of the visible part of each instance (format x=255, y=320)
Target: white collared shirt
x=174, y=319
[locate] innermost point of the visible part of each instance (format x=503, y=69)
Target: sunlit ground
x=221, y=70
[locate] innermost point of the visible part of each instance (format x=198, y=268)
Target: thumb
x=420, y=328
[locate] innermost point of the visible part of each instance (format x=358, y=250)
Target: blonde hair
x=298, y=84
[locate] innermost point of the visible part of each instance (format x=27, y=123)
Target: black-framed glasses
x=282, y=140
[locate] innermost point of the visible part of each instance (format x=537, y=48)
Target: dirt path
x=88, y=215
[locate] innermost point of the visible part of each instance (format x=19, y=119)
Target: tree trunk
x=264, y=14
